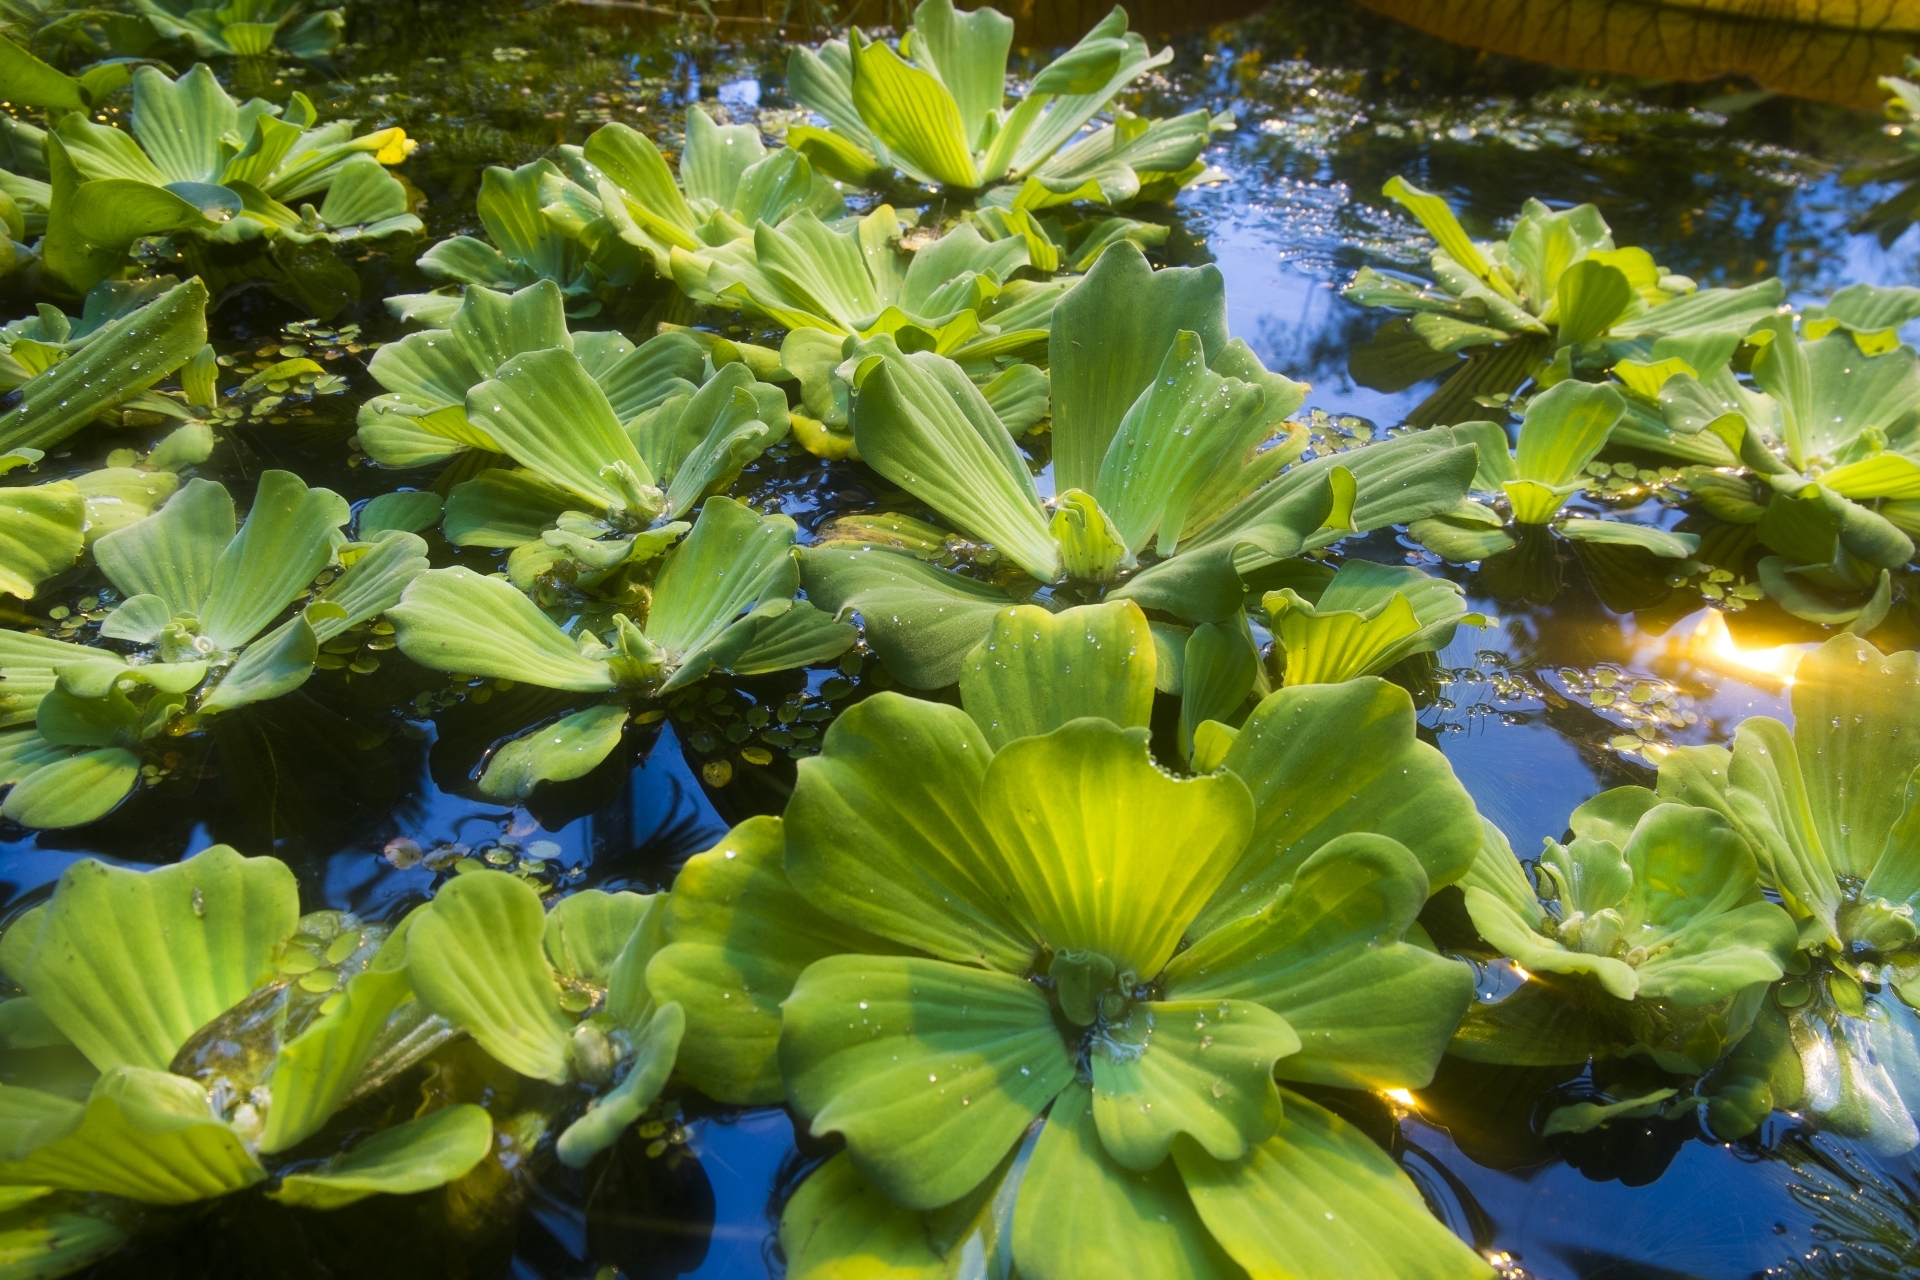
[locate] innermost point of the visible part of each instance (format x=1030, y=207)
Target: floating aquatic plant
x=589, y=264
x=1042, y=989
x=1656, y=905
x=1171, y=451
x=201, y=168
x=1827, y=496
x=1361, y=619
x=1827, y=809
x=560, y=996
x=248, y=29
x=198, y=591
x=933, y=111
x=212, y=1030
x=1553, y=299
x=721, y=600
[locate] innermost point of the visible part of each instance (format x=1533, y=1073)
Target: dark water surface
x=1548, y=704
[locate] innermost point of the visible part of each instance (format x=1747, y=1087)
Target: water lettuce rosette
x=1043, y=989
x=1829, y=809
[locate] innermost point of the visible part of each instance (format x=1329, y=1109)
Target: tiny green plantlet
x=1043, y=989
x=1555, y=297
x=247, y=29
x=1563, y=429
x=69, y=372
x=207, y=171
x=1654, y=903
x=1829, y=444
x=557, y=995
x=198, y=592
x=589, y=262
x=933, y=111
x=1171, y=452
x=1828, y=809
x=1361, y=620
x=210, y=1030
x=721, y=600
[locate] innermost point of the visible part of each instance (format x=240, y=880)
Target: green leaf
x=278, y=664
x=1509, y=931
x=124, y=358
x=1202, y=1068
x=1381, y=780
x=1591, y=295
x=315, y=1071
x=33, y=83
x=1565, y=426
x=571, y=747
x=1850, y=707
x=74, y=791
x=1830, y=395
x=1369, y=617
x=457, y=620
x=1022, y=679
x=283, y=545
x=733, y=561
x=1110, y=336
x=1219, y=666
x=475, y=957
x=922, y=622
x=698, y=446
x=799, y=637
x=1090, y=547
x=919, y=421
x=929, y=1070
x=145, y=1135
x=913, y=114
x=587, y=931
x=885, y=831
x=421, y=1154
x=1079, y=1213
x=836, y=1221
x=1618, y=533
x=968, y=52
x=1438, y=219
x=1319, y=1198
x=58, y=1244
x=130, y=964
x=1331, y=956
x=173, y=553
x=1873, y=315
x=42, y=531
x=547, y=414
x=608, y=1116
x=504, y=508
x=1104, y=851
x=739, y=937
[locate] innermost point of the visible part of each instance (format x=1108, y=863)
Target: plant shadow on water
x=1589, y=672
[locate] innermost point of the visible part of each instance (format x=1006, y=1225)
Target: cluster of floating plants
x=1067, y=965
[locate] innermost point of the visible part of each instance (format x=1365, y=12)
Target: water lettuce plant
x=67, y=372
x=720, y=600
x=1654, y=903
x=1043, y=989
x=727, y=185
x=1827, y=808
x=557, y=995
x=682, y=412
x=213, y=1030
x=589, y=263
x=1826, y=497
x=207, y=171
x=1361, y=619
x=1171, y=453
x=248, y=29
x=1554, y=298
x=933, y=111
x=1562, y=430
x=199, y=592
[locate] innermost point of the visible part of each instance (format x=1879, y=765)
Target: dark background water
x=1721, y=178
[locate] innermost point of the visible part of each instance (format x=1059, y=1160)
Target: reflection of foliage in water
x=1866, y=1219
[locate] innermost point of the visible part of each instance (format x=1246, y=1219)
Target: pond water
x=1721, y=180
